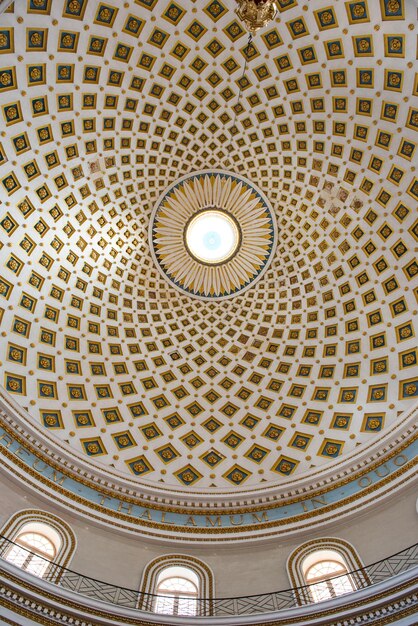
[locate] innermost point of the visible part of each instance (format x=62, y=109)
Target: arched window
x=35, y=546
x=177, y=585
x=177, y=591
x=41, y=543
x=323, y=569
x=327, y=576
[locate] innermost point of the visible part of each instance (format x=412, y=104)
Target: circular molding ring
x=247, y=209
x=299, y=504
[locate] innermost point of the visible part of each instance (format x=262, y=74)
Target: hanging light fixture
x=256, y=13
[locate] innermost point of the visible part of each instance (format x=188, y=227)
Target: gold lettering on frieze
x=382, y=471
x=7, y=438
x=315, y=503
x=103, y=498
x=213, y=522
x=20, y=450
x=260, y=518
x=319, y=501
x=146, y=515
x=38, y=467
x=126, y=508
x=58, y=478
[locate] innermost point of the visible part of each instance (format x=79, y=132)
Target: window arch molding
x=64, y=539
x=302, y=559
x=153, y=571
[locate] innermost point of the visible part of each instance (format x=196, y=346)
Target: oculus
x=212, y=234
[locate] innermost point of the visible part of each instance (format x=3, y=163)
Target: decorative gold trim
x=340, y=467
x=237, y=199
x=209, y=531
x=195, y=510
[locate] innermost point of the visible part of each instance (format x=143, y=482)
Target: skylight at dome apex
x=167, y=378
x=212, y=237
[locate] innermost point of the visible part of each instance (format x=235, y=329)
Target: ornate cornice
x=91, y=494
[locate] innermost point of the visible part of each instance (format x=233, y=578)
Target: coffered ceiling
x=104, y=106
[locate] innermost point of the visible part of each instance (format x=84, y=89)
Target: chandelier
x=256, y=13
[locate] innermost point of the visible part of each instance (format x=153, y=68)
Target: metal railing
x=190, y=606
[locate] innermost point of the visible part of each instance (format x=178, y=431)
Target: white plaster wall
x=239, y=569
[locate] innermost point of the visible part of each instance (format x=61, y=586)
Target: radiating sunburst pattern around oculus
x=242, y=203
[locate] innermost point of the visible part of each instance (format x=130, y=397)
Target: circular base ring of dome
x=359, y=481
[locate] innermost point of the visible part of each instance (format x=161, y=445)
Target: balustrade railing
x=188, y=606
